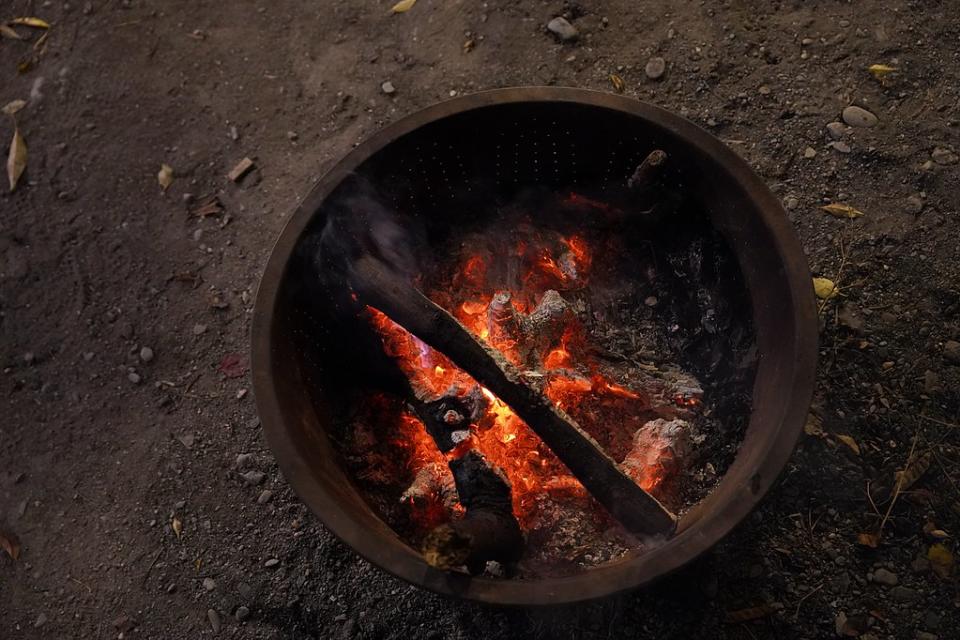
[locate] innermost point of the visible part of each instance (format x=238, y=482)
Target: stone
x=904, y=594
x=841, y=146
x=809, y=152
x=655, y=68
x=388, y=88
x=272, y=562
x=858, y=117
x=885, y=577
x=146, y=354
x=214, y=619
x=951, y=352
x=651, y=301
x=790, y=203
x=292, y=135
x=244, y=460
x=562, y=29
x=265, y=496
x=926, y=635
x=941, y=155
x=253, y=477
x=836, y=130
x=186, y=440
x=850, y=317
x=913, y=205
x=199, y=329
x=241, y=614
x=209, y=584
x=931, y=382
x=41, y=620
x=133, y=377
x=124, y=624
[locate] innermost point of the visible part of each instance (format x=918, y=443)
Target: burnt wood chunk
x=379, y=286
x=488, y=530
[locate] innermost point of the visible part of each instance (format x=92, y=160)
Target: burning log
x=378, y=286
x=658, y=448
x=448, y=417
x=488, y=530
x=544, y=326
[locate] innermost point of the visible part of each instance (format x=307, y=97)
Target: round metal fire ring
x=739, y=205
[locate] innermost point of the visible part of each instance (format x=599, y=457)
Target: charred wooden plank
x=379, y=286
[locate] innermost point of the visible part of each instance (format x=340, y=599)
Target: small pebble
x=199, y=329
x=41, y=620
x=244, y=460
x=242, y=613
x=214, y=619
x=265, y=496
x=133, y=377
x=28, y=357
x=388, y=88
x=651, y=301
x=146, y=354
x=904, y=594
x=272, y=562
x=562, y=28
x=841, y=146
x=913, y=205
x=209, y=584
x=809, y=152
x=790, y=203
x=764, y=90
x=655, y=68
x=885, y=577
x=858, y=117
x=234, y=134
x=943, y=156
x=951, y=352
x=241, y=394
x=836, y=130
x=253, y=477
x=926, y=635
x=292, y=135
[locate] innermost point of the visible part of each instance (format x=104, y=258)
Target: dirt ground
x=104, y=443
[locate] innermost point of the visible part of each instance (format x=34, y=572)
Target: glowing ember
x=569, y=377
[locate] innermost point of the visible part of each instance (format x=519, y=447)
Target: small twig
x=940, y=422
x=872, y=503
x=152, y=562
x=82, y=584
x=896, y=489
x=796, y=614
x=836, y=280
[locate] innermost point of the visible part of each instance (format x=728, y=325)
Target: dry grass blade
x=840, y=210
x=37, y=23
x=617, y=82
x=914, y=469
x=10, y=34
x=13, y=106
x=16, y=159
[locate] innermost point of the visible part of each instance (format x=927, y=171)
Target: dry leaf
x=824, y=288
x=842, y=210
x=813, y=425
x=938, y=534
x=751, y=613
x=7, y=32
x=13, y=106
x=617, y=82
x=17, y=160
x=177, y=527
x=941, y=560
x=403, y=5
x=198, y=563
x=10, y=543
x=165, y=176
x=880, y=71
x=31, y=22
x=914, y=469
x=871, y=540
x=850, y=442
x=40, y=46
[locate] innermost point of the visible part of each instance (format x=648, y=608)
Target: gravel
x=655, y=68
x=885, y=577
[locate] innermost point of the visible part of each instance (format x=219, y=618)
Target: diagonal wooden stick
x=379, y=286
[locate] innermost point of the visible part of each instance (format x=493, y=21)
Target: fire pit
x=535, y=345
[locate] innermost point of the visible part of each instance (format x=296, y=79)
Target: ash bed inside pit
x=629, y=315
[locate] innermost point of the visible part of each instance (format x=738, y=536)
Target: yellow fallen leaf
x=177, y=527
x=13, y=106
x=17, y=159
x=617, y=82
x=941, y=560
x=824, y=288
x=850, y=442
x=7, y=32
x=813, y=426
x=880, y=71
x=842, y=210
x=165, y=176
x=31, y=22
x=403, y=5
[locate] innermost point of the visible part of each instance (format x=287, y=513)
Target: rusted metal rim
x=782, y=392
